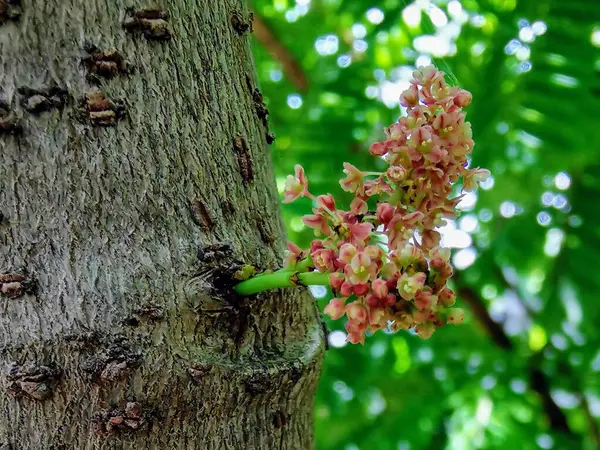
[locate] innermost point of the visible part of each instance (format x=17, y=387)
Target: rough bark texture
x=115, y=171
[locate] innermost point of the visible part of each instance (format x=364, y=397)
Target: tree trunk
x=117, y=167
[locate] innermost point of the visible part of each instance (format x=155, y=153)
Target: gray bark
x=113, y=332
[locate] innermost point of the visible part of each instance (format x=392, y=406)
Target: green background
x=522, y=372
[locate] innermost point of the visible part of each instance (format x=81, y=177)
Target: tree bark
x=116, y=331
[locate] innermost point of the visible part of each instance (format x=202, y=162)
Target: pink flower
x=360, y=290
x=335, y=280
x=295, y=185
x=335, y=308
x=473, y=177
x=385, y=212
x=353, y=180
x=323, y=260
x=380, y=288
x=378, y=149
x=424, y=75
x=462, y=98
x=357, y=312
x=295, y=254
x=456, y=316
x=319, y=223
x=376, y=187
x=410, y=97
x=358, y=206
x=409, y=285
x=326, y=203
x=359, y=271
x=359, y=232
x=347, y=252
x=396, y=173
x=430, y=239
x=425, y=330
x=425, y=300
x=447, y=297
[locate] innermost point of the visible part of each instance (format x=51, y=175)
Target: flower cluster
x=383, y=258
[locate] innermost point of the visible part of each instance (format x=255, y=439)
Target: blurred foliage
x=527, y=244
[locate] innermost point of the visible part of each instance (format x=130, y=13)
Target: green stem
x=280, y=279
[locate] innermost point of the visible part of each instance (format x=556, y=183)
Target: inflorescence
x=385, y=266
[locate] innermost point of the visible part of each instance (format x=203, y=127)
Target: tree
x=135, y=175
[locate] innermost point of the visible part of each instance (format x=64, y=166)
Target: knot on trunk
x=131, y=417
x=37, y=101
x=15, y=285
x=104, y=64
x=151, y=23
x=32, y=380
x=10, y=123
x=113, y=363
x=10, y=10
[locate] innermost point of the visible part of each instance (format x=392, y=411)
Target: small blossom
x=335, y=308
x=326, y=203
x=425, y=300
x=359, y=232
x=295, y=185
x=410, y=97
x=318, y=223
x=385, y=212
x=356, y=311
x=474, y=177
x=456, y=316
x=353, y=180
x=295, y=254
x=396, y=173
x=358, y=206
x=347, y=252
x=378, y=149
x=380, y=288
x=409, y=285
x=462, y=99
x=447, y=297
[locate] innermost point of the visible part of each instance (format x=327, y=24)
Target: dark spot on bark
x=280, y=418
x=270, y=138
x=241, y=24
x=32, y=380
x=201, y=214
x=114, y=363
x=259, y=383
x=228, y=206
x=15, y=285
x=261, y=109
x=104, y=64
x=259, y=104
x=99, y=111
x=151, y=23
x=86, y=340
x=199, y=371
x=10, y=10
x=9, y=122
x=215, y=252
x=2, y=217
x=114, y=421
x=151, y=312
x=37, y=101
x=265, y=230
x=244, y=157
x=132, y=322
x=295, y=374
